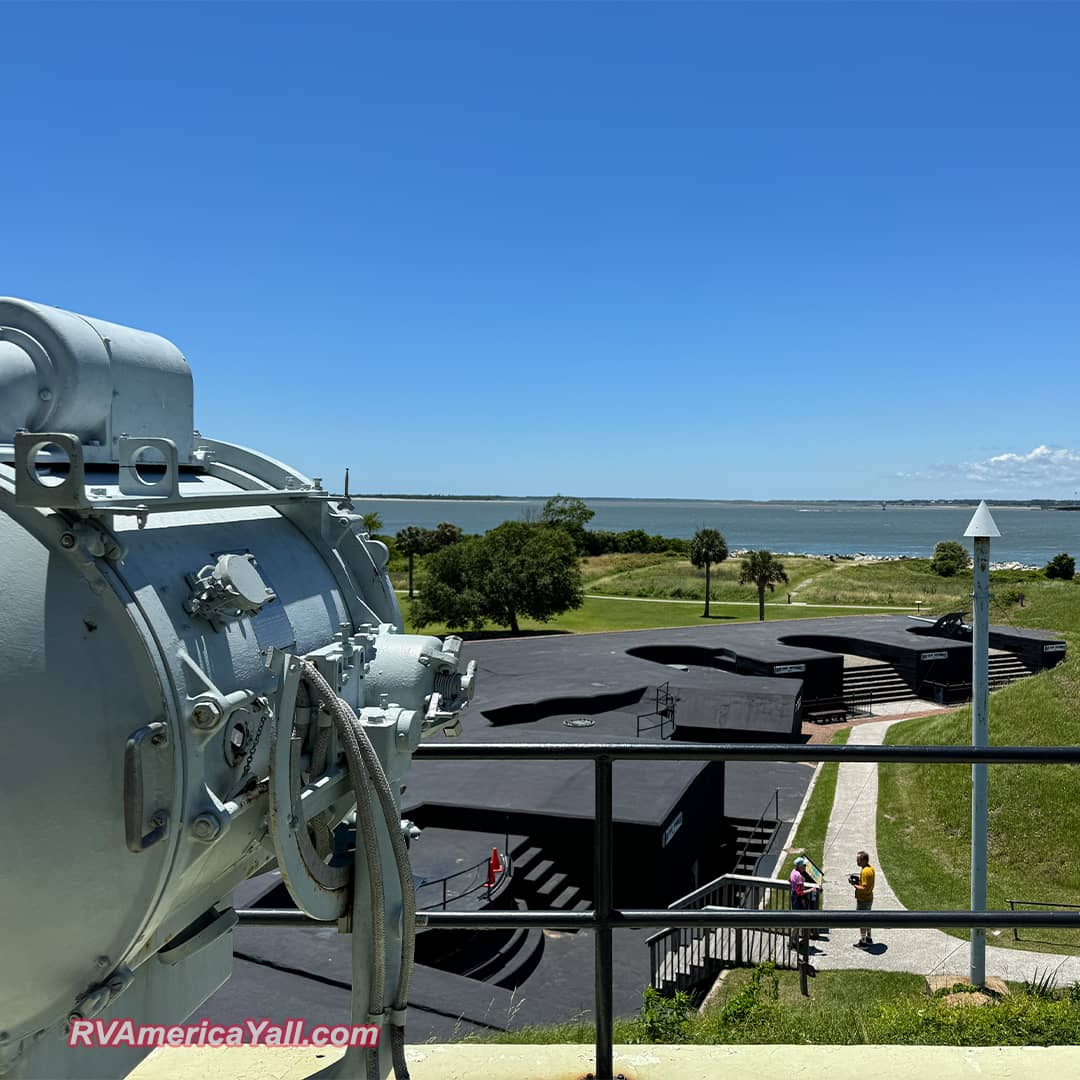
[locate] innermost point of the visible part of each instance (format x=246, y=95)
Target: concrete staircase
x=878, y=679
x=541, y=884
x=1006, y=668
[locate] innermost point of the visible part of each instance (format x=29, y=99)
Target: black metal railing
x=663, y=711
x=958, y=693
x=479, y=872
x=839, y=707
x=682, y=958
x=605, y=918
x=1020, y=905
x=755, y=833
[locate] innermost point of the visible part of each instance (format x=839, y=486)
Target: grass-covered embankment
x=844, y=1008
x=924, y=811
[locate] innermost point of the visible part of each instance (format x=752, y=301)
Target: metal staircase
x=682, y=959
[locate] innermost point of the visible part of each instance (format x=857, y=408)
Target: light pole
x=980, y=528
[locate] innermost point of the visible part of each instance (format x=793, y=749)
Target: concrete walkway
x=853, y=827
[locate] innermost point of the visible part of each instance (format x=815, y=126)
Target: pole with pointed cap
x=981, y=528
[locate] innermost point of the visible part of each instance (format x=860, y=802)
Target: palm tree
x=763, y=569
x=413, y=541
x=371, y=521
x=707, y=547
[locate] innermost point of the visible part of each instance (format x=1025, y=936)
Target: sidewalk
x=853, y=827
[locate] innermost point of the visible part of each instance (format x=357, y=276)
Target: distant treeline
x=632, y=541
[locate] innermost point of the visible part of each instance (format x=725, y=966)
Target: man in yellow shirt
x=864, y=895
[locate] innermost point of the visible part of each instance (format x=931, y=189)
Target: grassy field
x=924, y=817
x=597, y=616
x=905, y=583
x=672, y=577
x=820, y=584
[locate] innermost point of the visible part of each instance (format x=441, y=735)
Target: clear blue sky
x=714, y=250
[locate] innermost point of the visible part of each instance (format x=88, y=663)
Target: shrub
x=949, y=558
x=1061, y=566
x=743, y=1005
x=664, y=1019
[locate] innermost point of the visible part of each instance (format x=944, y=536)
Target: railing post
x=602, y=887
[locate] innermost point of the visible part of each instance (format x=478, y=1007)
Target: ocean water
x=1027, y=536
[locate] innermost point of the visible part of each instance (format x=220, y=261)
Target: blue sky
x=702, y=250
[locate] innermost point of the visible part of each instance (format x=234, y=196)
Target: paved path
x=853, y=827
x=745, y=603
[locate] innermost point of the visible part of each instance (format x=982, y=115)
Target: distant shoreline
x=873, y=504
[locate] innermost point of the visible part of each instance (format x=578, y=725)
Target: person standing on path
x=863, y=882
x=803, y=891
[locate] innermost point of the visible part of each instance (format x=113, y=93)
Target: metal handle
x=134, y=814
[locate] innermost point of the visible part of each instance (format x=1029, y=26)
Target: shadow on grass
x=499, y=635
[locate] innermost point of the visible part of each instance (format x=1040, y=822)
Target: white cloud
x=1044, y=470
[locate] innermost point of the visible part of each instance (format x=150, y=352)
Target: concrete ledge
x=476, y=1061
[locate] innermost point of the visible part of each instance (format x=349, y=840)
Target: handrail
x=508, y=864
x=746, y=879
x=605, y=918
x=1039, y=903
x=757, y=825
x=664, y=708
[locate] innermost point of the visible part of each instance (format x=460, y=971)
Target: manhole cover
x=580, y=721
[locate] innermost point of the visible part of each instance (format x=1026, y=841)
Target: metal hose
x=377, y=776
x=352, y=737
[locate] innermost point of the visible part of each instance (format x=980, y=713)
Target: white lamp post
x=981, y=528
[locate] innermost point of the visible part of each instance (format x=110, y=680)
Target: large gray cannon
x=201, y=675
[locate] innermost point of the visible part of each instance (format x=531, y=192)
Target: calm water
x=1027, y=536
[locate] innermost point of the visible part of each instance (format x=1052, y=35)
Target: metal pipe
x=602, y=874
x=960, y=755
x=665, y=918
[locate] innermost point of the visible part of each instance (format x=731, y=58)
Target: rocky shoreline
x=869, y=557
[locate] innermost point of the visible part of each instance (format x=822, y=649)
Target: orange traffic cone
x=495, y=866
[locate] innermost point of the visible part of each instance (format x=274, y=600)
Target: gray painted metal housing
x=157, y=591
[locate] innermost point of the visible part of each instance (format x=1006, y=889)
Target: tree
x=950, y=557
x=763, y=569
x=372, y=522
x=445, y=534
x=413, y=541
x=1061, y=566
x=516, y=569
x=707, y=547
x=569, y=514
x=453, y=590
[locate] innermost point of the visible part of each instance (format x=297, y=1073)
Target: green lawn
x=597, y=616
x=809, y=840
